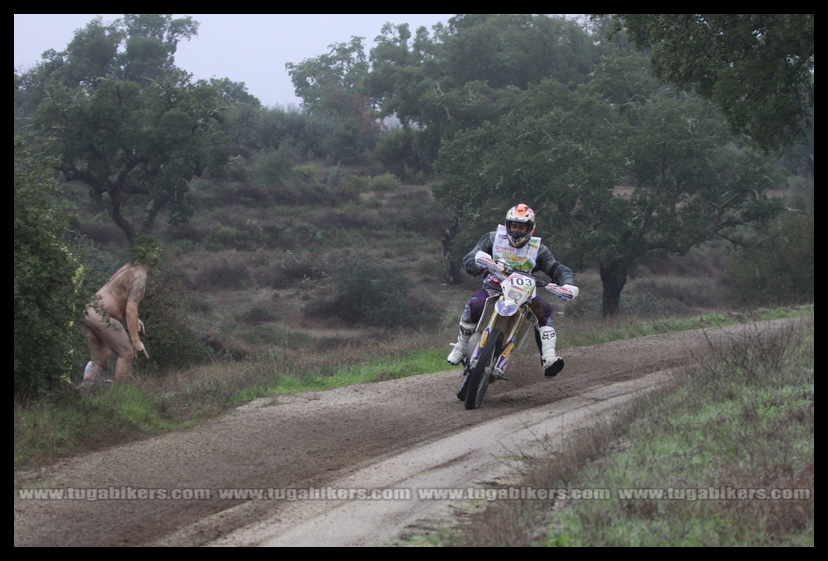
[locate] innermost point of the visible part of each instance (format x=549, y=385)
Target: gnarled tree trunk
x=613, y=278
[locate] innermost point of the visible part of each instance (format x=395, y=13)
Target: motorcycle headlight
x=516, y=295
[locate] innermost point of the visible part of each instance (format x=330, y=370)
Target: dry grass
x=745, y=421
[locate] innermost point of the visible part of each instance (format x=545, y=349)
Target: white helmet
x=525, y=215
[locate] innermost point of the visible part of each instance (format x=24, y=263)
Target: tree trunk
x=613, y=277
x=117, y=216
x=448, y=236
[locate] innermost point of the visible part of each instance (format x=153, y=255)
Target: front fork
x=511, y=326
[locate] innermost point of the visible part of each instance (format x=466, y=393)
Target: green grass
x=71, y=424
x=377, y=369
x=742, y=422
x=76, y=423
x=624, y=328
x=49, y=429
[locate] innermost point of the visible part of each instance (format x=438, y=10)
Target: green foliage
x=370, y=293
x=274, y=167
x=757, y=68
x=47, y=276
x=170, y=340
x=385, y=183
x=517, y=50
x=258, y=128
x=472, y=70
x=329, y=86
x=778, y=269
x=147, y=250
x=396, y=150
x=565, y=152
x=320, y=81
x=125, y=121
x=344, y=143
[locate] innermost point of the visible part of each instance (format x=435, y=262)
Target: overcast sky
x=249, y=48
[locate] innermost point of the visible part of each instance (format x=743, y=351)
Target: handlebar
x=484, y=261
x=564, y=294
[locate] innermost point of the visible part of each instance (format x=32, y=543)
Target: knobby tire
x=479, y=376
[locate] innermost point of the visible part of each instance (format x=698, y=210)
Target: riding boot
x=458, y=353
x=551, y=364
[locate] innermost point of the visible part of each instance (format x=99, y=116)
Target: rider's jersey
x=534, y=256
x=521, y=258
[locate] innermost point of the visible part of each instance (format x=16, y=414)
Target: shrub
x=292, y=271
x=274, y=167
x=394, y=149
x=256, y=316
x=170, y=341
x=46, y=278
x=272, y=335
x=780, y=269
x=343, y=143
x=384, y=183
x=373, y=294
x=397, y=151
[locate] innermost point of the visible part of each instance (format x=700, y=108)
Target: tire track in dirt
x=471, y=458
x=315, y=439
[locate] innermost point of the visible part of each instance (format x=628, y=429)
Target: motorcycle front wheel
x=479, y=376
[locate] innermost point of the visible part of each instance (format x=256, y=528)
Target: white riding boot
x=458, y=353
x=550, y=362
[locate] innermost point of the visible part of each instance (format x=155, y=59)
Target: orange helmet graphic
x=520, y=214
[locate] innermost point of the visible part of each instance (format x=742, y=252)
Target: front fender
x=506, y=307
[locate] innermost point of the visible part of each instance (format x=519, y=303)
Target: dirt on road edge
x=408, y=433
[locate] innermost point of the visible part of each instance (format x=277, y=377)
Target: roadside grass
x=581, y=333
x=74, y=423
x=693, y=466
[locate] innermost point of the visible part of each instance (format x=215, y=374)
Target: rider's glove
x=484, y=261
x=565, y=292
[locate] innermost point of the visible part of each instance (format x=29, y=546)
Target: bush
x=256, y=316
x=343, y=144
x=170, y=341
x=373, y=294
x=384, y=183
x=780, y=269
x=274, y=167
x=47, y=301
x=394, y=150
x=397, y=152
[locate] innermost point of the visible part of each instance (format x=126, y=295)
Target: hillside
x=260, y=267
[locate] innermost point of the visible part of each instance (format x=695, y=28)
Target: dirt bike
x=506, y=321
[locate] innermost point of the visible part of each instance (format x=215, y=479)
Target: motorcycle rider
x=513, y=243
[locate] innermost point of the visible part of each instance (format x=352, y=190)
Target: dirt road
x=399, y=436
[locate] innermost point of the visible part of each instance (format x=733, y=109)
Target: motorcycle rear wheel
x=479, y=376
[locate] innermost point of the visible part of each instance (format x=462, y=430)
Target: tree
x=126, y=121
x=757, y=68
x=321, y=81
x=566, y=152
x=472, y=70
x=329, y=86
